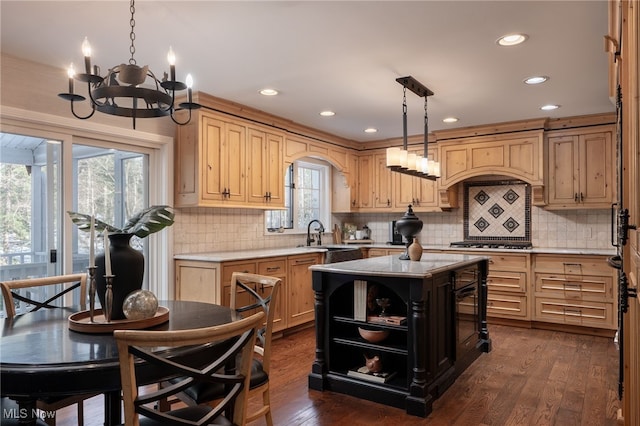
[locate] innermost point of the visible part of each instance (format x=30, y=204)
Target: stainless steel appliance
x=465, y=288
x=395, y=238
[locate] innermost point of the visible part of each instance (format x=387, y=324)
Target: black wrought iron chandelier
x=128, y=90
x=399, y=159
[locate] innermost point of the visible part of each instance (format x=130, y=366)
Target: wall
x=216, y=229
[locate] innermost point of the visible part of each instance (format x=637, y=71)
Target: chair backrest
x=134, y=345
x=251, y=293
x=69, y=283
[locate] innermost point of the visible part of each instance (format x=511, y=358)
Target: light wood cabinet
x=221, y=162
x=422, y=194
x=300, y=297
x=382, y=183
x=197, y=281
x=519, y=156
x=575, y=290
x=211, y=282
x=580, y=169
x=508, y=294
x=265, y=168
x=365, y=182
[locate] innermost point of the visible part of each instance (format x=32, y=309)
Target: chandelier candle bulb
x=86, y=51
x=189, y=82
x=171, y=57
x=71, y=73
x=393, y=157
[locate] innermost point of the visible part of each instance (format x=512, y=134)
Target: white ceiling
x=342, y=55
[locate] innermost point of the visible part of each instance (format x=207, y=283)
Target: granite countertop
x=225, y=256
x=392, y=265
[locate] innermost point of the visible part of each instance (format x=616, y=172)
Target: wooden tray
x=81, y=322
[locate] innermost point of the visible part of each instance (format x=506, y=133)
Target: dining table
x=40, y=356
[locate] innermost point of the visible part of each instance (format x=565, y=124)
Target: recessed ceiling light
x=370, y=130
x=536, y=79
x=512, y=39
x=450, y=120
x=327, y=113
x=269, y=92
x=549, y=107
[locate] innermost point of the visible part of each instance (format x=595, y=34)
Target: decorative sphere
x=140, y=304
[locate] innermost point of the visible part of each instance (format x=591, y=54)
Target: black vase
x=408, y=226
x=127, y=266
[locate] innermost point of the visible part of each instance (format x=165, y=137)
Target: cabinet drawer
x=509, y=262
x=229, y=268
x=573, y=265
x=507, y=306
x=584, y=313
x=273, y=267
x=515, y=282
x=588, y=287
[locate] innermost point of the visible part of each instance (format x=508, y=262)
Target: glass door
x=31, y=208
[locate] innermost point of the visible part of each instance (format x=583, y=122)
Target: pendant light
x=399, y=159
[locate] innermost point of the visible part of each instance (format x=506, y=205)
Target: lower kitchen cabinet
x=507, y=285
x=300, y=297
x=210, y=282
x=575, y=290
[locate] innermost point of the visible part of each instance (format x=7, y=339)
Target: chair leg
x=267, y=403
x=80, y=413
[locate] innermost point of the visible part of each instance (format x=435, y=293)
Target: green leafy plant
x=145, y=222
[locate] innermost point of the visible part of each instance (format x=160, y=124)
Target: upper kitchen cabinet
x=421, y=193
x=265, y=161
x=580, y=169
x=214, y=157
x=382, y=183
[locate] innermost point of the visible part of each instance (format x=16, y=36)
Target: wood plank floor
x=531, y=377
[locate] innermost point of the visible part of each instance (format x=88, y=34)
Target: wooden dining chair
x=249, y=293
x=139, y=345
x=68, y=284
x=60, y=288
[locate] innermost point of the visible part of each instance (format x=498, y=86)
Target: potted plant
x=127, y=263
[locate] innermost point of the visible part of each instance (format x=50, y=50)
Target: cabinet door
x=224, y=160
x=265, y=168
x=300, y=301
x=596, y=176
x=276, y=267
x=404, y=190
x=442, y=325
x=365, y=182
x=234, y=164
x=563, y=166
x=383, y=183
x=197, y=281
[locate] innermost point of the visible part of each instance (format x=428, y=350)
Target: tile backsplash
x=221, y=229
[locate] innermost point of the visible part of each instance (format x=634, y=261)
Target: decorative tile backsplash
x=497, y=210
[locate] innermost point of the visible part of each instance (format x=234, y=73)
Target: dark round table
x=41, y=357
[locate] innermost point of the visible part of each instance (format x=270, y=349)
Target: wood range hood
x=514, y=150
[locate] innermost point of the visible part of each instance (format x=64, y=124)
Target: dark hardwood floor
x=531, y=377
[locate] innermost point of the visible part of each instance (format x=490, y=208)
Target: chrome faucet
x=320, y=230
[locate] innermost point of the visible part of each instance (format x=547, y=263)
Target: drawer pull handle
x=273, y=268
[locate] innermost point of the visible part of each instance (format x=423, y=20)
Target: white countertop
x=392, y=266
x=226, y=256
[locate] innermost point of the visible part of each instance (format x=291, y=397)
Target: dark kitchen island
x=433, y=328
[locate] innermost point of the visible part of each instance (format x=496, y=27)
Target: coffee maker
x=395, y=238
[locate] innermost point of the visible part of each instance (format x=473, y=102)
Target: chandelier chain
x=132, y=35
